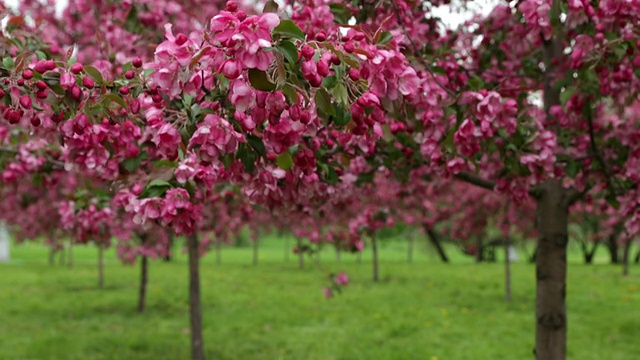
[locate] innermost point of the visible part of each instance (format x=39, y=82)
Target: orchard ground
x=423, y=310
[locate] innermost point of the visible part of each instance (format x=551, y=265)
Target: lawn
x=423, y=310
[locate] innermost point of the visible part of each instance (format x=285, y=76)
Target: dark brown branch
x=476, y=180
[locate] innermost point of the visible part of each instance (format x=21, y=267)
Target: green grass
x=424, y=310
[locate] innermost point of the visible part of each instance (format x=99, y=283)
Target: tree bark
x=195, y=307
x=167, y=258
x=144, y=279
x=625, y=258
x=479, y=249
x=434, y=239
x=590, y=255
x=376, y=269
x=507, y=270
x=100, y=266
x=612, y=245
x=255, y=252
x=551, y=271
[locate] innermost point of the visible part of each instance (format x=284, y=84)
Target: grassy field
x=423, y=310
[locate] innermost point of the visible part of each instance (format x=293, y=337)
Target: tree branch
x=476, y=180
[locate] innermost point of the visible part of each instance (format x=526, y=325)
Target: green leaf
x=340, y=93
x=8, y=62
x=385, y=38
x=131, y=164
x=566, y=94
x=341, y=14
x=285, y=161
x=329, y=82
x=112, y=97
x=256, y=144
x=155, y=188
x=323, y=104
x=94, y=73
x=342, y=117
x=260, y=81
x=289, y=51
x=247, y=157
x=288, y=28
x=475, y=83
x=572, y=168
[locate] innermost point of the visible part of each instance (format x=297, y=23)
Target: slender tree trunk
x=62, y=258
x=52, y=255
x=286, y=248
x=300, y=254
x=255, y=252
x=144, y=279
x=551, y=272
x=507, y=270
x=434, y=239
x=100, y=266
x=590, y=255
x=637, y=258
x=167, y=258
x=612, y=245
x=625, y=258
x=410, y=248
x=534, y=256
x=374, y=247
x=195, y=307
x=70, y=255
x=218, y=251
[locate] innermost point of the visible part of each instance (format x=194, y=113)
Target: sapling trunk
x=100, y=266
x=507, y=270
x=374, y=247
x=195, y=307
x=144, y=279
x=255, y=252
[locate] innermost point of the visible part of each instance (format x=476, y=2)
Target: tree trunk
x=144, y=279
x=195, y=308
x=434, y=239
x=286, y=248
x=300, y=254
x=533, y=258
x=52, y=255
x=625, y=258
x=507, y=270
x=218, y=251
x=167, y=258
x=551, y=272
x=612, y=245
x=479, y=249
x=637, y=258
x=410, y=248
x=255, y=252
x=590, y=255
x=70, y=255
x=62, y=256
x=100, y=266
x=374, y=247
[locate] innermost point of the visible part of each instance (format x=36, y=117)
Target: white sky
x=449, y=17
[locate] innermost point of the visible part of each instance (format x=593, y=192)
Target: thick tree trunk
x=195, y=307
x=434, y=239
x=255, y=252
x=376, y=269
x=507, y=270
x=612, y=245
x=625, y=258
x=479, y=249
x=218, y=251
x=551, y=272
x=410, y=248
x=100, y=266
x=144, y=279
